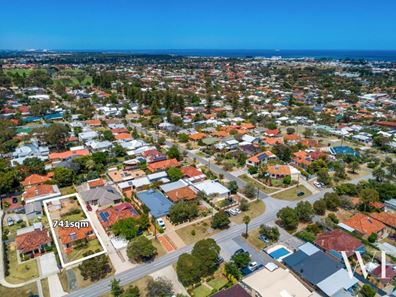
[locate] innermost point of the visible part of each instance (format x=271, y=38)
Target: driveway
x=48, y=264
x=55, y=286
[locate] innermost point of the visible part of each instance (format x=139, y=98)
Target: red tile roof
x=35, y=179
x=338, y=240
x=191, y=171
x=68, y=154
x=123, y=136
x=162, y=165
x=32, y=240
x=93, y=122
x=96, y=183
x=387, y=218
x=72, y=234
x=38, y=190
x=364, y=224
x=117, y=212
x=185, y=193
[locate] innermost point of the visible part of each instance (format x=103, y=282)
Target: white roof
x=139, y=182
x=308, y=248
x=337, y=281
x=211, y=187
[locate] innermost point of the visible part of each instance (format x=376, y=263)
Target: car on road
x=219, y=260
x=299, y=194
x=252, y=266
x=161, y=223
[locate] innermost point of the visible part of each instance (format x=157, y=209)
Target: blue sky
x=202, y=24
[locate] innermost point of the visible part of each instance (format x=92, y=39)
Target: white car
x=317, y=184
x=161, y=223
x=252, y=266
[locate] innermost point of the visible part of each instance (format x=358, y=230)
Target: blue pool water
x=279, y=253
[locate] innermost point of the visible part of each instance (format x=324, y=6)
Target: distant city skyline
x=175, y=24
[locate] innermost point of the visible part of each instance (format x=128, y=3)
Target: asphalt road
x=272, y=207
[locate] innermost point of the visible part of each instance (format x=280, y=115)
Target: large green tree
x=207, y=252
x=141, y=249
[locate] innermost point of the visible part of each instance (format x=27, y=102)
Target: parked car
x=317, y=184
x=10, y=221
x=299, y=194
x=89, y=207
x=219, y=260
x=252, y=266
x=161, y=223
x=264, y=238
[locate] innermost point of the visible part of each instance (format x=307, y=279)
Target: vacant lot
x=195, y=232
x=291, y=194
x=262, y=187
x=256, y=208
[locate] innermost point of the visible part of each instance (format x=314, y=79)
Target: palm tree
x=246, y=220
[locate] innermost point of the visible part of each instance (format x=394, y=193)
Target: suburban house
x=111, y=215
x=322, y=271
x=387, y=218
x=260, y=158
x=212, y=188
x=72, y=236
x=33, y=210
x=192, y=174
x=280, y=171
x=365, y=225
x=101, y=196
x=156, y=202
x=336, y=241
x=32, y=241
x=35, y=179
x=68, y=154
x=40, y=192
x=163, y=165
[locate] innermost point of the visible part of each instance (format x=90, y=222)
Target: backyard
x=207, y=288
x=28, y=290
x=77, y=253
x=291, y=194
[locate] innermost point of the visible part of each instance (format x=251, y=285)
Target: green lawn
x=256, y=208
x=202, y=291
x=77, y=253
x=76, y=217
x=20, y=272
x=67, y=190
x=262, y=188
x=218, y=283
x=160, y=249
x=27, y=290
x=291, y=194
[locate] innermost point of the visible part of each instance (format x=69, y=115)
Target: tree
x=108, y=135
x=367, y=291
x=272, y=233
x=249, y=190
x=379, y=174
x=252, y=170
x=304, y=211
x=232, y=269
x=63, y=176
x=373, y=237
x=232, y=186
x=132, y=291
x=207, y=252
x=174, y=173
x=8, y=181
x=32, y=166
x=220, y=220
x=308, y=133
x=129, y=228
x=183, y=137
x=332, y=201
x=323, y=176
x=188, y=269
x=183, y=211
x=319, y=207
x=282, y=151
x=287, y=180
x=346, y=189
x=392, y=169
x=246, y=220
x=141, y=249
x=116, y=289
x=160, y=287
x=288, y=217
x=244, y=205
x=290, y=130
x=95, y=268
x=241, y=260
x=354, y=166
x=173, y=153
x=368, y=196
x=54, y=135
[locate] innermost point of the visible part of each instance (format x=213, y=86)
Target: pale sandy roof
x=278, y=283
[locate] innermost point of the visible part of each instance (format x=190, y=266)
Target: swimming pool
x=279, y=252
